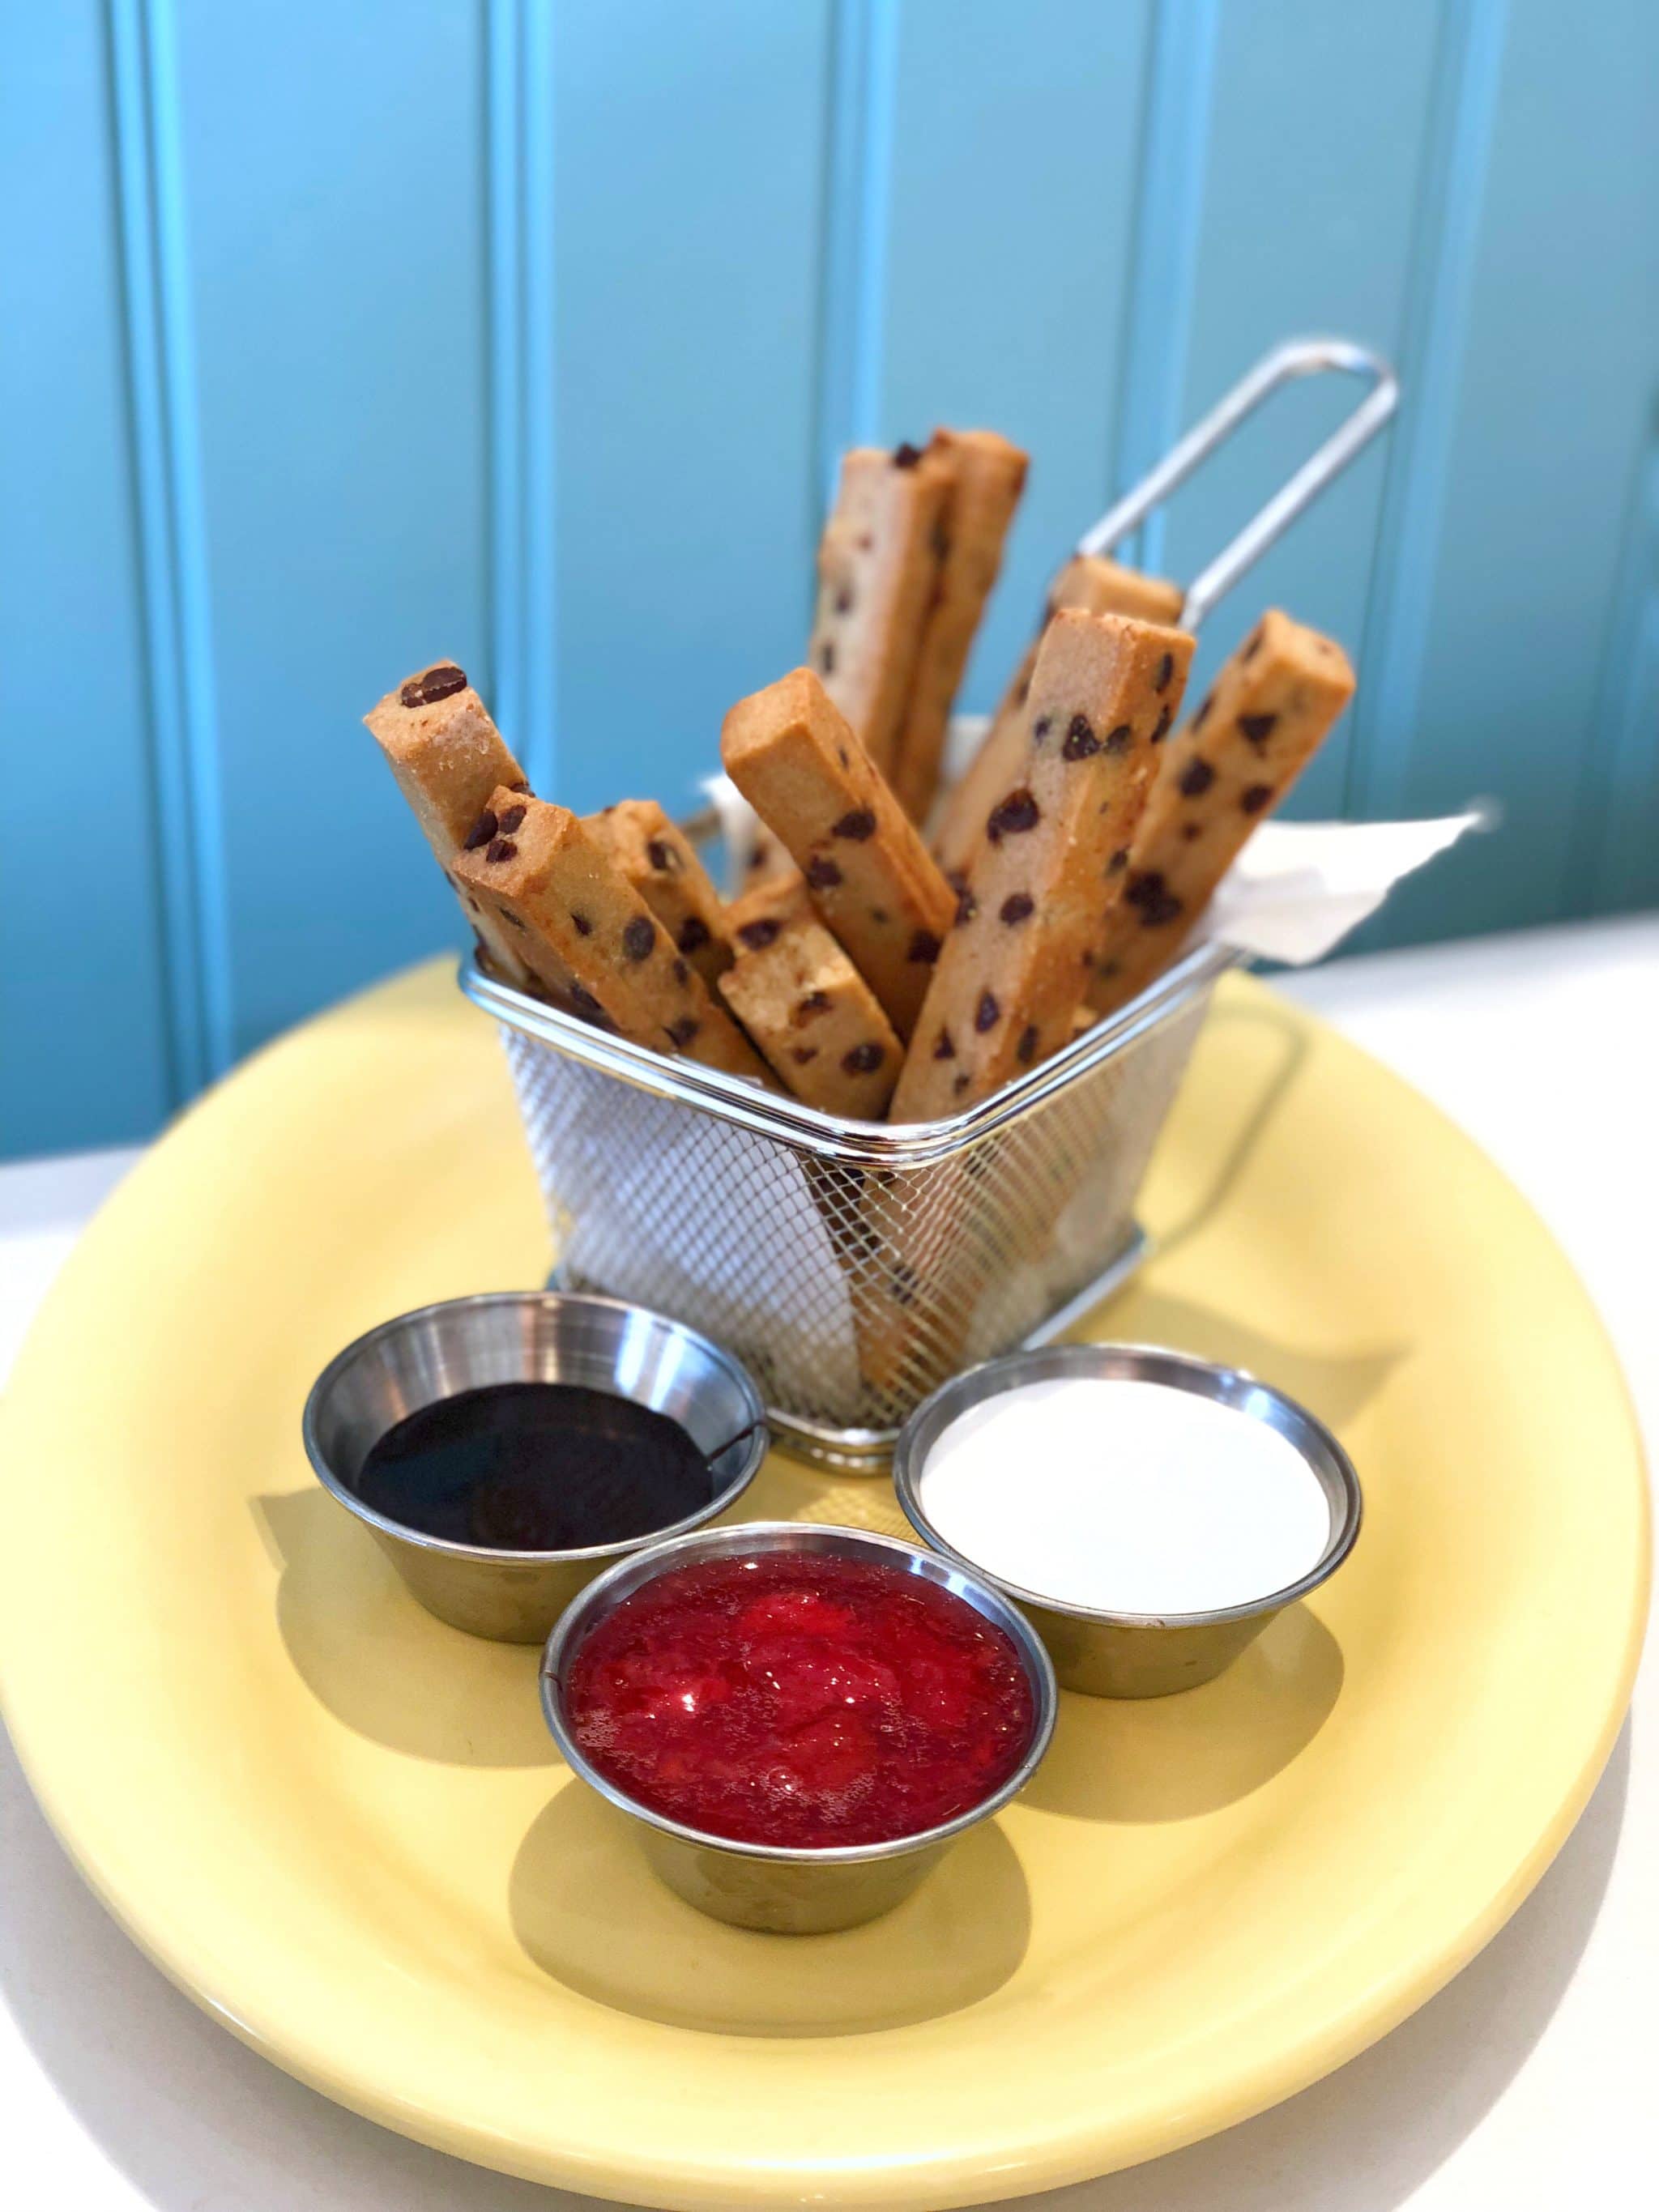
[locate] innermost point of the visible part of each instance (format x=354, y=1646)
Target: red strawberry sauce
x=800, y=1699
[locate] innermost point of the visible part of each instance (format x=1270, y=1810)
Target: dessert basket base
x=870, y=1451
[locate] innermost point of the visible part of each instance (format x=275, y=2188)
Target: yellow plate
x=339, y=1825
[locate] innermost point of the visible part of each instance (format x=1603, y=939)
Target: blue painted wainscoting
x=337, y=335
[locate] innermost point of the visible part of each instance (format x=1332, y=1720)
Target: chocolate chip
x=521, y=786
x=684, y=1029
x=1041, y=728
x=958, y=879
x=440, y=683
x=800, y=1054
x=517, y=921
x=1157, y=901
x=639, y=935
x=967, y=907
x=858, y=825
x=1023, y=692
x=1025, y=1050
x=821, y=874
x=693, y=933
x=1189, y=830
x=481, y=830
x=924, y=947
x=584, y=928
x=1251, y=646
x=513, y=818
x=815, y=1003
x=1117, y=740
x=906, y=456
x=945, y=1048
x=756, y=935
x=1256, y=798
x=662, y=858
x=1018, y=905
x=584, y=1000
x=841, y=755
x=960, y=1083
x=1165, y=670
x=1161, y=729
x=863, y=1059
x=758, y=859
x=502, y=849
x=1196, y=778
x=1119, y=861
x=1203, y=714
x=844, y=600
x=472, y=906
x=682, y=972
x=1018, y=812
x=988, y=1013
x=1258, y=728
x=1081, y=739
x=827, y=657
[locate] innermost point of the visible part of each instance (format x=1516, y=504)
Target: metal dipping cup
x=525, y=1336
x=777, y=1887
x=1135, y=1655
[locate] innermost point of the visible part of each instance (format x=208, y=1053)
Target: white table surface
x=1528, y=2084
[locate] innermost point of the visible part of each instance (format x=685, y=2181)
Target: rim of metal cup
x=1234, y=1387
x=588, y=1606
x=756, y=1436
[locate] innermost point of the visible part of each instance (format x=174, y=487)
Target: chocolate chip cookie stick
x=1264, y=718
x=653, y=854
x=988, y=475
x=587, y=934
x=791, y=755
x=1053, y=851
x=447, y=756
x=1095, y=585
x=817, y=1020
x=755, y=919
x=878, y=561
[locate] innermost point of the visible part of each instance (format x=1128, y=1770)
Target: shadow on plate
x=1336, y=1385
x=382, y=1665
x=590, y=1912
x=1167, y=1759
x=1272, y=1025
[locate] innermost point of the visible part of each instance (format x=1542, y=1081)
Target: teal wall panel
x=688, y=153
x=999, y=258
x=86, y=1043
x=1535, y=387
x=332, y=261
x=529, y=330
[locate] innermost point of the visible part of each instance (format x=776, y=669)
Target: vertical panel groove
x=857, y=192
x=1450, y=193
x=1169, y=217
x=173, y=553
x=520, y=221
x=1623, y=732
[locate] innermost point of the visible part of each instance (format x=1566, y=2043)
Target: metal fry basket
x=853, y=1266
x=856, y=1265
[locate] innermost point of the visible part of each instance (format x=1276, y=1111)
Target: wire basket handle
x=1294, y=358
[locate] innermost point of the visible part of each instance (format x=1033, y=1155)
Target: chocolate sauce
x=536, y=1466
